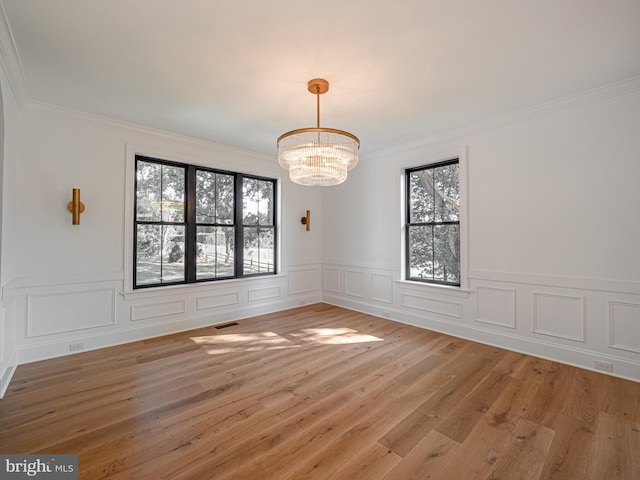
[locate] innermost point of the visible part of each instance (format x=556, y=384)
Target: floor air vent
x=226, y=325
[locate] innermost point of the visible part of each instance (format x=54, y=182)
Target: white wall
x=563, y=197
x=67, y=283
x=8, y=151
x=554, y=229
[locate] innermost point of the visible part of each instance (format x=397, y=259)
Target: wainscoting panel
x=304, y=280
x=53, y=313
x=382, y=288
x=549, y=317
x=157, y=309
x=624, y=326
x=431, y=305
x=48, y=317
x=496, y=306
x=353, y=284
x=258, y=294
x=205, y=302
x=560, y=316
x=541, y=319
x=331, y=280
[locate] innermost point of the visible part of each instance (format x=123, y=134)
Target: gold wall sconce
x=76, y=207
x=306, y=220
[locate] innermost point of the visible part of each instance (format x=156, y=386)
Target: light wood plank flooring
x=320, y=392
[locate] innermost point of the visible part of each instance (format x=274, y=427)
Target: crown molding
x=548, y=108
x=566, y=103
x=90, y=119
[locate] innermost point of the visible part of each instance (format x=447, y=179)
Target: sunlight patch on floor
x=243, y=342
x=259, y=341
x=334, y=336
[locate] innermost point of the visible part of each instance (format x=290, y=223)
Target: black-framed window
x=432, y=229
x=196, y=224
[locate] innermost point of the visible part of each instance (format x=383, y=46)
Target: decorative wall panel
x=431, y=305
x=303, y=281
x=263, y=294
x=157, y=309
x=559, y=316
x=624, y=326
x=217, y=301
x=331, y=280
x=496, y=306
x=53, y=313
x=353, y=284
x=382, y=288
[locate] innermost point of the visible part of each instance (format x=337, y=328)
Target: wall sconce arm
x=306, y=220
x=76, y=207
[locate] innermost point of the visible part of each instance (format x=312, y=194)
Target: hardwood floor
x=321, y=392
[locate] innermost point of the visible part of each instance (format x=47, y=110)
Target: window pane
x=148, y=250
x=258, y=250
x=205, y=197
x=421, y=252
x=257, y=202
x=266, y=258
x=214, y=197
x=265, y=202
x=225, y=205
x=421, y=201
x=160, y=254
x=250, y=201
x=172, y=253
x=251, y=250
x=215, y=252
x=447, y=193
x=148, y=193
x=446, y=246
x=173, y=183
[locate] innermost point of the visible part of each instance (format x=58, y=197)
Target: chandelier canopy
x=318, y=156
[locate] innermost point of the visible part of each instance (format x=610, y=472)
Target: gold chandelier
x=318, y=156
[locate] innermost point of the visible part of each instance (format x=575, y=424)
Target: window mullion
x=433, y=252
x=239, y=226
x=190, y=243
x=161, y=224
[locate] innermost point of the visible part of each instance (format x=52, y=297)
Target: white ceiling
x=235, y=71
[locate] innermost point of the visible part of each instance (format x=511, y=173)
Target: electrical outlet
x=76, y=347
x=606, y=366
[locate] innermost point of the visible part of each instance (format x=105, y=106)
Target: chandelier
x=318, y=156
